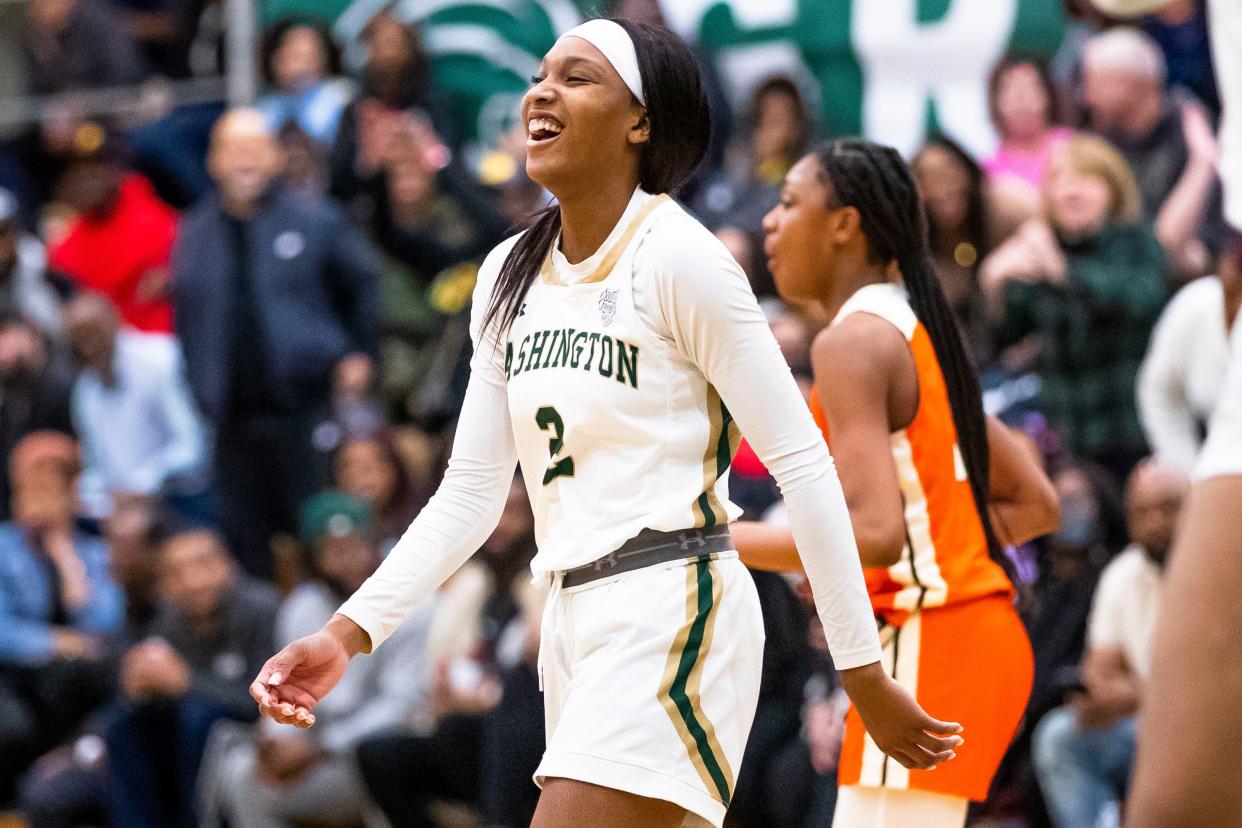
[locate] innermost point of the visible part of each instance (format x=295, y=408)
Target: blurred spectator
x=961, y=232
x=57, y=602
x=137, y=380
x=25, y=289
x=34, y=390
x=394, y=80
x=164, y=31
x=120, y=242
x=75, y=44
x=1023, y=104
x=1083, y=751
x=301, y=65
x=305, y=161
x=1180, y=27
x=748, y=186
x=769, y=792
x=1181, y=376
x=368, y=466
x=1060, y=598
x=69, y=785
x=276, y=305
x=488, y=736
x=1088, y=281
x=435, y=223
x=213, y=633
x=284, y=775
x=135, y=532
x=1169, y=145
x=1055, y=614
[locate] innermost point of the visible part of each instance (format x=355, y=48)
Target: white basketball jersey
x=616, y=430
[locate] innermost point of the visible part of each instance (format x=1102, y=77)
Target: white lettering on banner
x=897, y=54
x=685, y=16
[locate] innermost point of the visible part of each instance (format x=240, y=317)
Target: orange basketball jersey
x=945, y=559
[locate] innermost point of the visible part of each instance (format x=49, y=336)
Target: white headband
x=615, y=44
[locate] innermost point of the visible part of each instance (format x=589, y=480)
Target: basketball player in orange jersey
x=933, y=487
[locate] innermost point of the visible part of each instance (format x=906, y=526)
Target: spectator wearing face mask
x=1084, y=751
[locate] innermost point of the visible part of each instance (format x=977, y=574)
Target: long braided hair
x=874, y=180
x=680, y=134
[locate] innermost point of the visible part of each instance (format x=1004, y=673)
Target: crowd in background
x=232, y=346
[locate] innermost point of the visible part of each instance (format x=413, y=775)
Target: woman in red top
x=933, y=486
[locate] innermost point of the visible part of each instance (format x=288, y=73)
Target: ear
x=640, y=132
x=844, y=225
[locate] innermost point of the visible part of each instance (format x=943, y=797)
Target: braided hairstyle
x=680, y=134
x=874, y=180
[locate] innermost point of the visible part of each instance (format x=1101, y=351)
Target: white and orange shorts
x=969, y=663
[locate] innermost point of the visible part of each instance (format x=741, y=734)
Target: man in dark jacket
x=275, y=300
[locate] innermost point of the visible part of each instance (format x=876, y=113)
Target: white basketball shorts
x=650, y=681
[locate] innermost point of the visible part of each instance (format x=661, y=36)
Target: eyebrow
x=573, y=60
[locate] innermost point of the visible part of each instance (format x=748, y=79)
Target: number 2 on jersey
x=547, y=417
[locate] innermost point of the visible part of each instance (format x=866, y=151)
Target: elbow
x=880, y=546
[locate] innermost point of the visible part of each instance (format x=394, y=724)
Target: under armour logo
x=610, y=559
x=686, y=538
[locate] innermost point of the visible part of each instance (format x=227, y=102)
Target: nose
x=769, y=220
x=540, y=93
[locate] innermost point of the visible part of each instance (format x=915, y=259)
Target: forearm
x=1191, y=741
x=765, y=547
x=456, y=521
x=1182, y=212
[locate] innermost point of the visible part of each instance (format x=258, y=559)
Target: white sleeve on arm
x=1172, y=428
x=467, y=505
x=1222, y=452
x=700, y=297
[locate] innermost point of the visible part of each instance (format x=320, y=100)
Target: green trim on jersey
x=709, y=511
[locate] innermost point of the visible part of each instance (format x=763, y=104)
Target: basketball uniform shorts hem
x=626, y=776
x=651, y=680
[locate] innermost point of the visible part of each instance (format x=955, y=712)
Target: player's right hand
x=297, y=678
x=896, y=723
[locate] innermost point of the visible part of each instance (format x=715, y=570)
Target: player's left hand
x=896, y=723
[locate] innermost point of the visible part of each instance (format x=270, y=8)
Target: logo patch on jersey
x=608, y=305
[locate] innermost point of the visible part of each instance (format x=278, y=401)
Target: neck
x=1026, y=144
x=237, y=208
x=862, y=273
x=589, y=215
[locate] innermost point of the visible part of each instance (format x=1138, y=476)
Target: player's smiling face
x=580, y=118
x=797, y=234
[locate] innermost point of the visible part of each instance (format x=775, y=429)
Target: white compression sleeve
x=470, y=499
x=688, y=285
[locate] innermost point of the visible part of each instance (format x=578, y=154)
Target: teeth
x=543, y=125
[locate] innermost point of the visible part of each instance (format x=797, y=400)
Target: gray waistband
x=649, y=548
